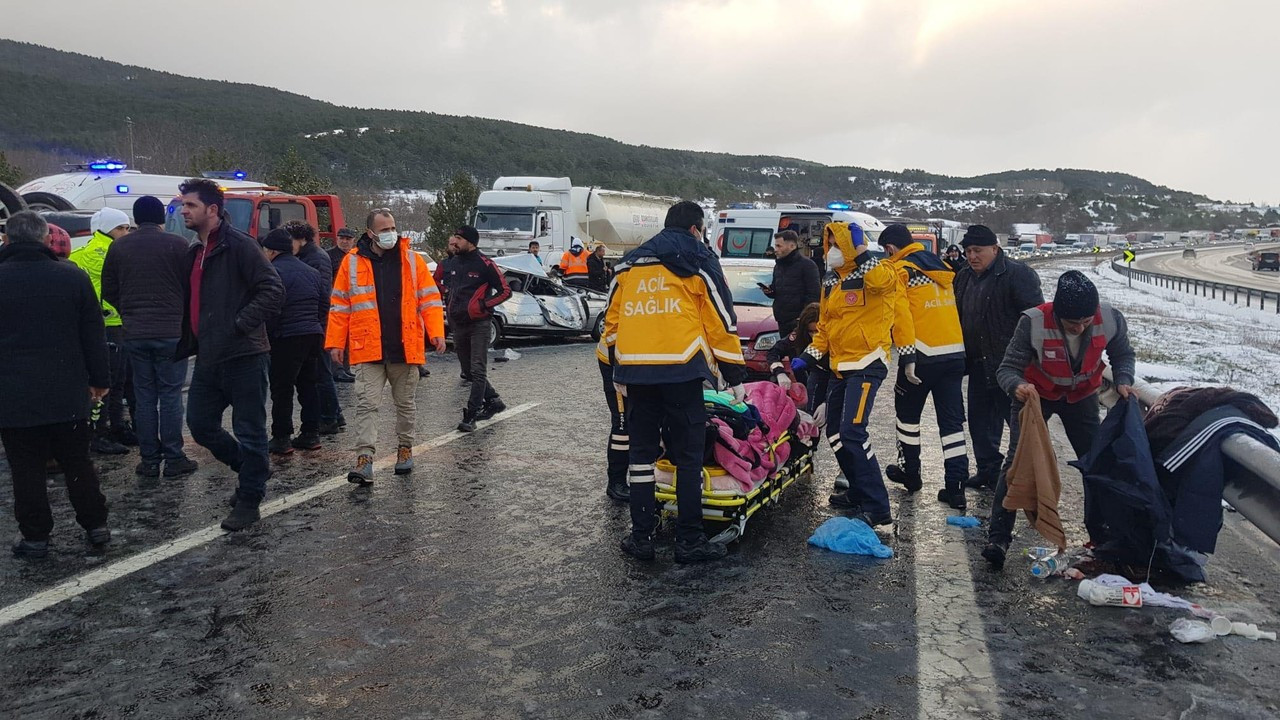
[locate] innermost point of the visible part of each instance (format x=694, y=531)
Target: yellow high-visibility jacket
x=931, y=303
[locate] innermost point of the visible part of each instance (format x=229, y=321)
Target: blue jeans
x=240, y=383
x=157, y=386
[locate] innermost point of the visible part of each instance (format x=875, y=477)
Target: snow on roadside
x=1182, y=339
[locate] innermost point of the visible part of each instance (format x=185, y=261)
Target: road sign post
x=1128, y=260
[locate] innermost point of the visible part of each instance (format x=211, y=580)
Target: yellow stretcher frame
x=731, y=506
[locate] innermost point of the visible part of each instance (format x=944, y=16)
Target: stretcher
x=725, y=504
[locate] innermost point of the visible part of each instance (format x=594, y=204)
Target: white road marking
x=953, y=664
x=94, y=579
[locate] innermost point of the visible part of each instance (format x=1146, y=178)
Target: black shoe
x=900, y=476
x=491, y=408
x=344, y=377
x=638, y=549
x=841, y=501
x=279, y=446
x=977, y=482
x=342, y=422
x=125, y=435
x=307, y=441
x=332, y=428
x=98, y=536
x=466, y=379
x=995, y=554
x=147, y=468
x=104, y=445
x=468, y=423
x=423, y=371
x=702, y=551
x=31, y=548
x=954, y=497
x=874, y=521
x=619, y=491
x=180, y=467
x=243, y=515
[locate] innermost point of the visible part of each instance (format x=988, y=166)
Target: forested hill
x=65, y=106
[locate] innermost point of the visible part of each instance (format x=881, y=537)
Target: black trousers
x=988, y=414
x=29, y=450
x=121, y=381
x=471, y=340
x=1079, y=419
x=673, y=412
x=942, y=380
x=295, y=365
x=619, y=441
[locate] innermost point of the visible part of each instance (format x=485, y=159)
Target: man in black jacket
x=795, y=281
x=474, y=287
x=143, y=277
x=55, y=352
x=991, y=294
x=306, y=250
x=297, y=340
x=231, y=294
x=597, y=270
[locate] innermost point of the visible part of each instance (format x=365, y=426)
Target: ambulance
x=110, y=183
x=747, y=232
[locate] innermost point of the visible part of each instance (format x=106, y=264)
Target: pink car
x=756, y=326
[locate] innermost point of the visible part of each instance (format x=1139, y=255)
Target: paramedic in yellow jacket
x=669, y=328
x=939, y=366
x=860, y=320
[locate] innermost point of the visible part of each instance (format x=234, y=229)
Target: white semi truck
x=551, y=210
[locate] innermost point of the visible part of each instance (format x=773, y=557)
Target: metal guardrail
x=1254, y=488
x=1206, y=288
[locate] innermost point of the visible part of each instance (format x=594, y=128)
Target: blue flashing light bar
x=107, y=166
x=838, y=206
x=240, y=174
x=122, y=189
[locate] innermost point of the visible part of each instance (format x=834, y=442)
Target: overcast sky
x=1182, y=92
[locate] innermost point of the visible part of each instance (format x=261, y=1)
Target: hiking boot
x=147, y=468
x=842, y=501
x=619, y=491
x=977, y=482
x=638, y=548
x=701, y=551
x=468, y=423
x=423, y=371
x=491, y=408
x=31, y=548
x=994, y=553
x=953, y=497
x=842, y=483
x=344, y=377
x=244, y=514
x=307, y=441
x=125, y=435
x=98, y=536
x=330, y=428
x=104, y=445
x=181, y=466
x=404, y=460
x=912, y=483
x=362, y=473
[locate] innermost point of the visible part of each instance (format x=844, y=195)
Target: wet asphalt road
x=489, y=585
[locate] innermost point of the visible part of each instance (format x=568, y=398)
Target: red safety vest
x=1052, y=374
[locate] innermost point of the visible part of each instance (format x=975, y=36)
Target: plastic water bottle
x=1047, y=565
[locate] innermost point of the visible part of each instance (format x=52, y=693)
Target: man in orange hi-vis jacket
x=384, y=304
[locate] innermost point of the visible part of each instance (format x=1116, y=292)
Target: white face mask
x=835, y=258
x=387, y=240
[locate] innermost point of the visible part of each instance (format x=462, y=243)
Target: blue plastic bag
x=849, y=536
x=964, y=521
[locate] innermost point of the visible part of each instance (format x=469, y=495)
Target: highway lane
x=1220, y=264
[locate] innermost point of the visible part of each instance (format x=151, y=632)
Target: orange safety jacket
x=353, y=309
x=574, y=265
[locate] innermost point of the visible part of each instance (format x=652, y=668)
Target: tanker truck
x=519, y=210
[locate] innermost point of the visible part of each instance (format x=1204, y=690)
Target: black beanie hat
x=148, y=209
x=468, y=233
x=278, y=239
x=897, y=235
x=1076, y=297
x=978, y=235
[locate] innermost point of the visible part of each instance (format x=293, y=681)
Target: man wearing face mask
x=384, y=304
x=861, y=319
x=1056, y=354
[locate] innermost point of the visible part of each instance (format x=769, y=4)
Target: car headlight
x=767, y=340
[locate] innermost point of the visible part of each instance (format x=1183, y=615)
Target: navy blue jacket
x=306, y=299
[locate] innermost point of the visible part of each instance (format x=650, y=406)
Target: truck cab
x=258, y=212
x=748, y=232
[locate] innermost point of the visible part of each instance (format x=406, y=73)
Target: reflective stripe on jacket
x=931, y=302
x=90, y=259
x=353, y=311
x=1051, y=372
